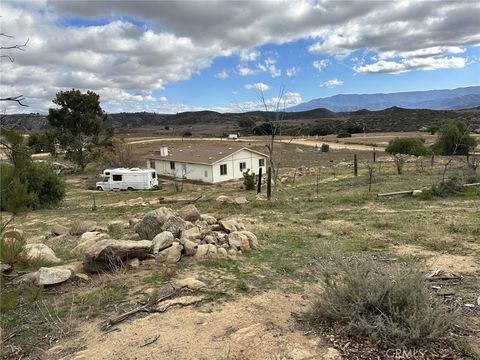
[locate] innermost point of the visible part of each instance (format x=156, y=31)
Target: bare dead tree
x=21, y=47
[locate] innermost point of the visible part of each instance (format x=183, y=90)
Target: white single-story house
x=206, y=162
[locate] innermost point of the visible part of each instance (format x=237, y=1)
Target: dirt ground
x=256, y=328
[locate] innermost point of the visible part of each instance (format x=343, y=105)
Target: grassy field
x=321, y=212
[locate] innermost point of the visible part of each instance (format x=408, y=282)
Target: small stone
x=132, y=222
x=82, y=276
x=40, y=252
x=189, y=213
x=190, y=247
x=240, y=200
x=133, y=263
x=170, y=255
x=58, y=229
x=52, y=276
x=206, y=251
x=417, y=192
x=162, y=241
x=5, y=268
x=252, y=239
x=210, y=220
x=192, y=234
x=222, y=199
x=222, y=253
x=227, y=226
x=148, y=262
x=190, y=283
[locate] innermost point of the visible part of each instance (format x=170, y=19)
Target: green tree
x=17, y=198
x=78, y=125
x=249, y=180
x=408, y=146
x=432, y=129
x=41, y=142
x=454, y=139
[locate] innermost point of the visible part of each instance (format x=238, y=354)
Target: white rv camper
x=127, y=179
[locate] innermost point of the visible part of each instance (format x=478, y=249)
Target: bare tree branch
x=17, y=99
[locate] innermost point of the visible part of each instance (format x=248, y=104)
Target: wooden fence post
x=355, y=165
x=259, y=185
x=374, y=155
x=269, y=183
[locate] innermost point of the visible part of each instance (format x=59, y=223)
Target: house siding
x=196, y=172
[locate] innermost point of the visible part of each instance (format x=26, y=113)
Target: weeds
x=389, y=308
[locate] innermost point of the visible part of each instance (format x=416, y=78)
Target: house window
x=223, y=169
x=205, y=173
x=172, y=165
x=261, y=162
x=243, y=166
x=152, y=164
x=117, y=177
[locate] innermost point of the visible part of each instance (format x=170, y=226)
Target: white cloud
x=259, y=86
x=222, y=75
x=331, y=83
x=321, y=64
x=246, y=71
x=292, y=71
x=404, y=65
x=249, y=55
x=178, y=39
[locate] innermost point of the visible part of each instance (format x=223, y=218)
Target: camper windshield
x=104, y=178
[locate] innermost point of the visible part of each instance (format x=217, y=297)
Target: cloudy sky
x=173, y=56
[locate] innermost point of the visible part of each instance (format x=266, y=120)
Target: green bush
x=37, y=187
x=40, y=142
x=391, y=309
x=433, y=128
x=451, y=186
x=344, y=135
x=11, y=246
x=454, y=139
x=408, y=146
x=249, y=180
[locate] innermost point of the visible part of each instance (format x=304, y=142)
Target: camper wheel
x=130, y=188
x=99, y=188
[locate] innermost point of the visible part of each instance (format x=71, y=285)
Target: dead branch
x=17, y=99
x=150, y=341
x=152, y=308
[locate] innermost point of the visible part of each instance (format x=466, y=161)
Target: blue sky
x=177, y=56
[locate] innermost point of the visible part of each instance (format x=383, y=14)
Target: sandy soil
x=257, y=327
x=446, y=262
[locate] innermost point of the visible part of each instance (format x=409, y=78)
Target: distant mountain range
x=448, y=99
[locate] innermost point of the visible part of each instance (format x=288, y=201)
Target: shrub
x=120, y=155
x=433, y=128
x=38, y=186
x=187, y=134
x=392, y=310
x=344, y=135
x=408, y=146
x=448, y=187
x=454, y=139
x=11, y=246
x=40, y=142
x=249, y=180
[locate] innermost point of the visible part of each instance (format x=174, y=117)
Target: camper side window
x=117, y=177
x=172, y=165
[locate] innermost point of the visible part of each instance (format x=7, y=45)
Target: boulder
x=210, y=220
x=235, y=223
x=152, y=222
x=190, y=283
x=162, y=241
x=239, y=241
x=192, y=234
x=221, y=253
x=190, y=247
x=88, y=239
x=417, y=192
x=52, y=275
x=209, y=239
x=115, y=227
x=227, y=226
x=109, y=254
x=132, y=222
x=82, y=226
x=5, y=268
x=240, y=200
x=58, y=229
x=189, y=213
x=28, y=278
x=206, y=251
x=222, y=199
x=75, y=267
x=40, y=252
x=252, y=239
x=175, y=224
x=170, y=255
